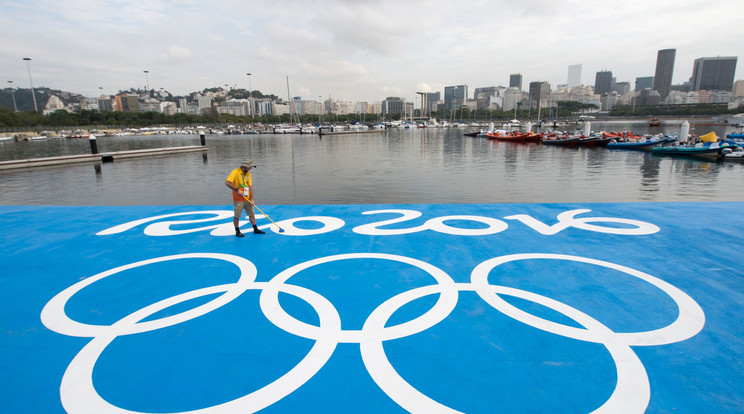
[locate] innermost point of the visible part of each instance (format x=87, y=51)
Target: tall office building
x=713, y=73
x=621, y=88
x=539, y=91
x=603, y=82
x=393, y=105
x=664, y=70
x=515, y=81
x=432, y=100
x=739, y=88
x=574, y=75
x=481, y=93
x=644, y=82
x=455, y=96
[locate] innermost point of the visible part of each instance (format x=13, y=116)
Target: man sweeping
x=241, y=184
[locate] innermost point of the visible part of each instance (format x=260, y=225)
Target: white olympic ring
x=632, y=392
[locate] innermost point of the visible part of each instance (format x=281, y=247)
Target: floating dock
x=102, y=157
x=476, y=308
x=348, y=132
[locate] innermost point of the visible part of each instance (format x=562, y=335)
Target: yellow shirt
x=242, y=181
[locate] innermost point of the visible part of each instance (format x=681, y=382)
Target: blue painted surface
x=469, y=357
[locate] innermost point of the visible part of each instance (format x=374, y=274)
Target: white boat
x=736, y=120
x=514, y=123
x=285, y=129
x=5, y=138
x=735, y=154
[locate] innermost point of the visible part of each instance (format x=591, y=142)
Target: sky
x=356, y=50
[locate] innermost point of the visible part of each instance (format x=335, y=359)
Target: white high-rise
x=574, y=75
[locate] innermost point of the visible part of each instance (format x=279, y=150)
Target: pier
x=103, y=157
x=347, y=132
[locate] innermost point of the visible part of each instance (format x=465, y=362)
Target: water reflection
x=650, y=175
x=398, y=167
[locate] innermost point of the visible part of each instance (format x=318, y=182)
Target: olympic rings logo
x=631, y=394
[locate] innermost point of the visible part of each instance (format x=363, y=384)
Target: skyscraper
x=515, y=81
x=664, y=70
x=455, y=96
x=644, y=82
x=603, y=82
x=432, y=99
x=574, y=75
x=713, y=73
x=539, y=91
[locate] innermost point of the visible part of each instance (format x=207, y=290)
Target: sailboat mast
x=289, y=101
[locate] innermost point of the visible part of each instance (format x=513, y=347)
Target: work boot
x=257, y=231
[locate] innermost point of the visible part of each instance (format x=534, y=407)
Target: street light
x=147, y=82
x=33, y=95
x=250, y=104
x=12, y=96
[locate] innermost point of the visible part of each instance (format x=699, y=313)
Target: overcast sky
x=358, y=50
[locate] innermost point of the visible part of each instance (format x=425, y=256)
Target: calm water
x=399, y=167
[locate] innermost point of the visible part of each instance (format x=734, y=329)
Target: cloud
x=352, y=49
x=178, y=54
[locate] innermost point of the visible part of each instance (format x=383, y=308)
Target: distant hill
x=25, y=102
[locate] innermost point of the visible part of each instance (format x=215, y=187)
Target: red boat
x=505, y=137
x=515, y=136
x=533, y=137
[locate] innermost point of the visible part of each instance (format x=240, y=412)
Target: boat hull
x=634, y=146
x=704, y=152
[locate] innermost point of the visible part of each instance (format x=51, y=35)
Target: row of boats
x=729, y=149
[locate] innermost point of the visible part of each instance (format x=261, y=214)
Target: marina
x=415, y=270
x=420, y=165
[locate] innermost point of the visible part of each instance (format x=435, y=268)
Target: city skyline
x=357, y=51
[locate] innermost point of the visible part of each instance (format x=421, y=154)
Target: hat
x=247, y=163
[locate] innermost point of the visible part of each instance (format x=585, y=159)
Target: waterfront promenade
x=561, y=307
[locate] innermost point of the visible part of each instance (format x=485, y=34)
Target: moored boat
x=501, y=136
x=733, y=154
x=654, y=122
x=713, y=151
x=570, y=141
x=635, y=145
x=589, y=141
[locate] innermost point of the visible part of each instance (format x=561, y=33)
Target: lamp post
x=33, y=95
x=147, y=81
x=250, y=93
x=320, y=116
x=12, y=96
